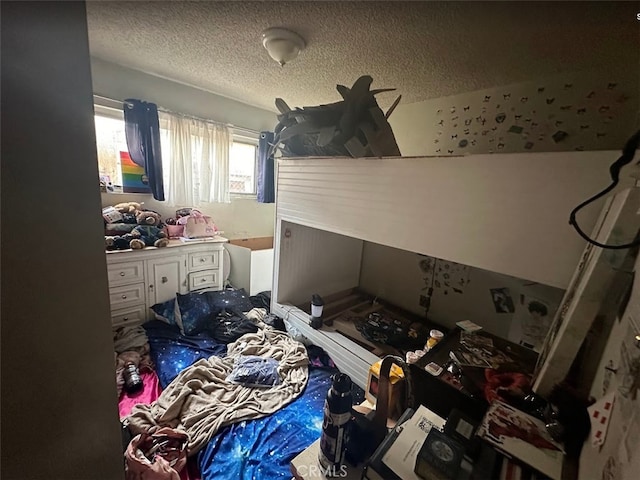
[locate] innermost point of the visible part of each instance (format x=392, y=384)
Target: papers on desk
x=402, y=454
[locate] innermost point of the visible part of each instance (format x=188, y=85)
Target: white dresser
x=138, y=279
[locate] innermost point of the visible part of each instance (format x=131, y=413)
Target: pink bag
x=198, y=225
x=157, y=456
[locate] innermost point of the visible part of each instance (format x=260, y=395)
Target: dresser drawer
x=205, y=279
x=126, y=295
x=129, y=316
x=205, y=259
x=125, y=273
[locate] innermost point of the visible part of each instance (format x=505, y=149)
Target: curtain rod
x=236, y=128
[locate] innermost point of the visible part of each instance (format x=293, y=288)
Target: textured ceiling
x=424, y=49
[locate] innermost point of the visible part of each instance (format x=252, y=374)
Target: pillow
x=195, y=311
x=254, y=371
x=237, y=300
x=167, y=311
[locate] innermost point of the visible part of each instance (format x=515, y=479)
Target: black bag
x=229, y=325
x=368, y=431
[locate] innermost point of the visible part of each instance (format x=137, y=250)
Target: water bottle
x=132, y=379
x=337, y=415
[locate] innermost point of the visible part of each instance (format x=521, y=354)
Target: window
x=110, y=142
x=113, y=158
x=242, y=166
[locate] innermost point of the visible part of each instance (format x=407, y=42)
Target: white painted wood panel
x=505, y=213
x=314, y=261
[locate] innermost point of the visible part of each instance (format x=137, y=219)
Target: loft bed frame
x=506, y=213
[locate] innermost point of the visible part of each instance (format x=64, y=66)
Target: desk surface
x=307, y=467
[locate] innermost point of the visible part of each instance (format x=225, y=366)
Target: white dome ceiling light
x=283, y=45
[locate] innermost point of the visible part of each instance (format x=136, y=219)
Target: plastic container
x=434, y=337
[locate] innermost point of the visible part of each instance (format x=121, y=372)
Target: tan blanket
x=200, y=401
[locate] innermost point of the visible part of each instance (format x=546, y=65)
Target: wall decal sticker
x=559, y=136
x=536, y=110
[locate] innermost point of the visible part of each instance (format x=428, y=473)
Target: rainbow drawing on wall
x=134, y=180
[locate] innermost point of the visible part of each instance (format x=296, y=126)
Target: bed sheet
x=262, y=449
x=172, y=352
x=257, y=449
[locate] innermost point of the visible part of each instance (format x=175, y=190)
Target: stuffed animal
x=118, y=242
x=148, y=233
x=128, y=207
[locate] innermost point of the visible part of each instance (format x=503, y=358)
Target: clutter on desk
x=523, y=437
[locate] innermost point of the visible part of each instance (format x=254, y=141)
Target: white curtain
x=195, y=157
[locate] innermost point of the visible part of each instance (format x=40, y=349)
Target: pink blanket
x=148, y=394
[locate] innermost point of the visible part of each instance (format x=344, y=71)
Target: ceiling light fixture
x=283, y=45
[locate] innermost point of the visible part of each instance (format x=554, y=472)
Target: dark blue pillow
x=195, y=311
x=167, y=311
x=237, y=300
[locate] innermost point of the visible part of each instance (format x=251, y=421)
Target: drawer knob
x=202, y=260
x=122, y=274
x=125, y=319
x=124, y=296
x=203, y=280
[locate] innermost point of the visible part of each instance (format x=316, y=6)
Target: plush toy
x=128, y=207
x=148, y=233
x=118, y=242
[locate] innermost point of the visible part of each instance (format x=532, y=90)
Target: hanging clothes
x=142, y=130
x=266, y=169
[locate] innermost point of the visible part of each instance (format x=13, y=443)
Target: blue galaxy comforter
x=257, y=449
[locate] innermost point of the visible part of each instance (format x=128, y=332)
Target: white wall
x=241, y=218
x=395, y=275
x=596, y=113
x=59, y=399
